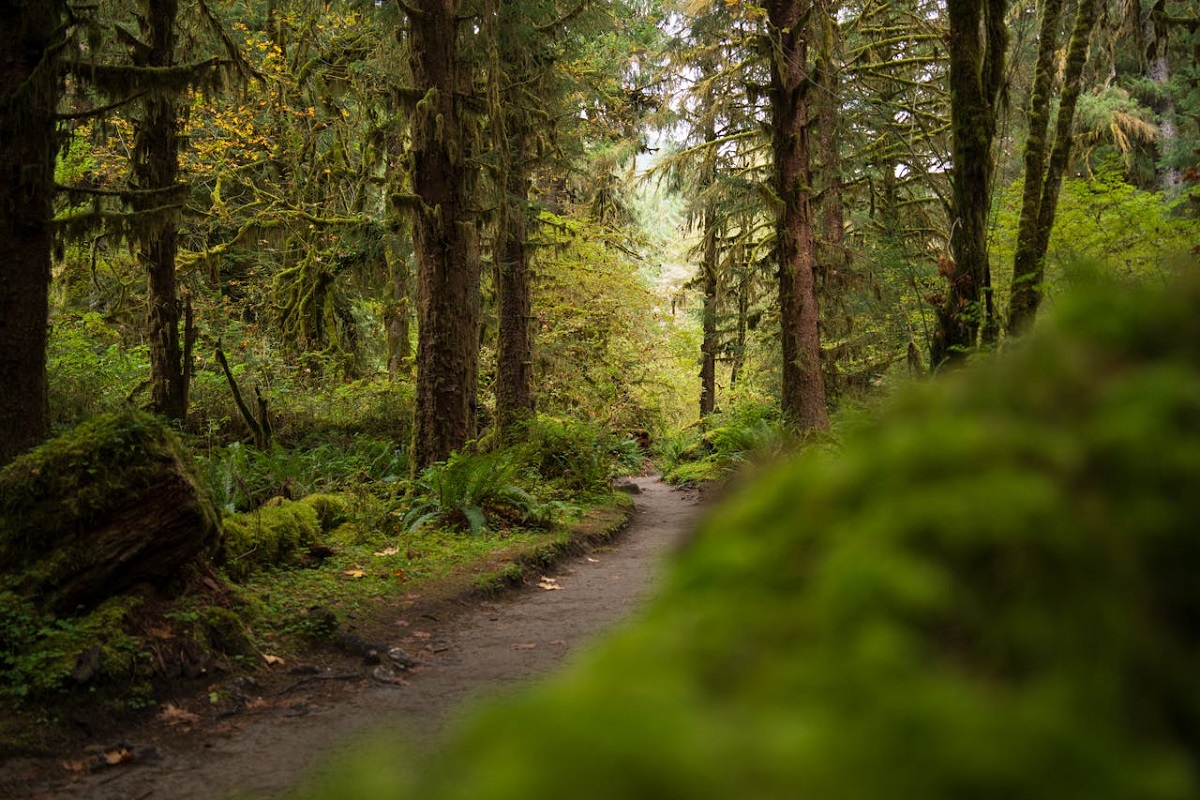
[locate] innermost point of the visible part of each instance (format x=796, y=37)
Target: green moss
x=224, y=631
x=990, y=594
x=332, y=509
x=271, y=536
x=70, y=480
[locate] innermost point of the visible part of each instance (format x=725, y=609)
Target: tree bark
x=710, y=222
x=29, y=91
x=708, y=317
x=978, y=42
x=1040, y=200
x=399, y=339
x=448, y=271
x=156, y=175
x=514, y=356
x=803, y=388
x=1026, y=281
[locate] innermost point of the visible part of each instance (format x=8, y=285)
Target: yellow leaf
x=355, y=573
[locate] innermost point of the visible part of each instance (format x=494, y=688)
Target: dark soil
x=263, y=736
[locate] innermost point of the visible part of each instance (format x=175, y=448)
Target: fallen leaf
x=593, y=560
x=525, y=646
x=388, y=551
x=398, y=574
x=549, y=584
x=75, y=766
x=273, y=661
x=421, y=634
x=355, y=573
x=121, y=755
x=172, y=714
x=559, y=642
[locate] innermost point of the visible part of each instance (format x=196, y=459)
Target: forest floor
x=284, y=728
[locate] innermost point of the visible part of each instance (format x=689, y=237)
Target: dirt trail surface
x=488, y=646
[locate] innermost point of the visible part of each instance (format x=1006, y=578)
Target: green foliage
x=579, y=456
x=1103, y=218
x=991, y=593
x=243, y=477
x=719, y=443
x=598, y=330
x=89, y=369
x=464, y=490
x=42, y=655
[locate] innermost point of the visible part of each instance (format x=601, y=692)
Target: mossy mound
x=111, y=504
x=991, y=593
x=275, y=535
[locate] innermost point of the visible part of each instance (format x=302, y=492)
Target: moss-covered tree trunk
x=29, y=89
x=710, y=223
x=803, y=389
x=155, y=166
x=514, y=352
x=448, y=302
x=709, y=342
x=398, y=323
x=1039, y=201
x=978, y=42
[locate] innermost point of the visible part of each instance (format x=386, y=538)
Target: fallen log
x=112, y=504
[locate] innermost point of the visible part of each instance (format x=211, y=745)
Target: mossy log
x=112, y=504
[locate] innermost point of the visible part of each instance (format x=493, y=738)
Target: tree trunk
x=1040, y=201
x=1026, y=289
x=399, y=311
x=708, y=317
x=29, y=91
x=803, y=389
x=978, y=41
x=514, y=356
x=448, y=302
x=156, y=178
x=708, y=256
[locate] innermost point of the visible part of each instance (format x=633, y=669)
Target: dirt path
x=490, y=646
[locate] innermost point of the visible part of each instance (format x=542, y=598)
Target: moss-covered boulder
x=111, y=504
x=992, y=593
x=277, y=534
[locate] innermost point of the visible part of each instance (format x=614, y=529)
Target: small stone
x=401, y=659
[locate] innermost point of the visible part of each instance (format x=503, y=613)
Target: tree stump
x=112, y=504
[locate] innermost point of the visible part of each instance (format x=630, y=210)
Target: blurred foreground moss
x=991, y=594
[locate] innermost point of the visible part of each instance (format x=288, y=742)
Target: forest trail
x=488, y=647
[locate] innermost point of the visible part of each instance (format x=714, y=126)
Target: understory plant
x=466, y=489
x=720, y=443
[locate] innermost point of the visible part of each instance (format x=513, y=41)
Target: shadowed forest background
x=290, y=286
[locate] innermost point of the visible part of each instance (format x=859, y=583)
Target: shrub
x=579, y=455
x=464, y=490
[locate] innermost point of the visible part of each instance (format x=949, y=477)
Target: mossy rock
x=274, y=535
x=990, y=593
x=111, y=504
x=332, y=509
